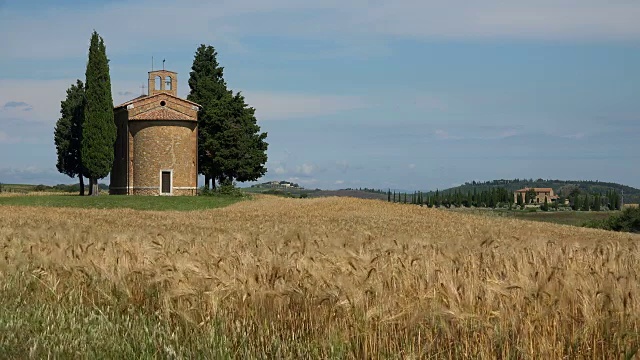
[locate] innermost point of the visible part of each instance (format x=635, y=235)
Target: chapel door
x=166, y=182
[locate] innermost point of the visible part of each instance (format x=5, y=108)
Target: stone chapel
x=156, y=150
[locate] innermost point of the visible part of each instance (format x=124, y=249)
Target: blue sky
x=402, y=94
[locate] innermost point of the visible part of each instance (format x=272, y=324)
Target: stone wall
x=118, y=176
x=163, y=145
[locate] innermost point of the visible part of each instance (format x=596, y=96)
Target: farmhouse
x=541, y=194
x=156, y=150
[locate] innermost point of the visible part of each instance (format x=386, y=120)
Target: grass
x=329, y=278
x=574, y=218
x=159, y=203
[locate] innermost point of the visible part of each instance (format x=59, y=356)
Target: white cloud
x=42, y=100
x=303, y=181
x=63, y=32
x=543, y=19
x=343, y=165
x=412, y=166
x=39, y=100
x=279, y=170
x=34, y=175
x=5, y=138
x=507, y=133
x=578, y=135
x=431, y=102
x=43, y=97
x=306, y=169
x=339, y=182
x=281, y=105
x=444, y=135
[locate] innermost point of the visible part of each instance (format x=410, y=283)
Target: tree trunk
x=81, y=185
x=90, y=186
x=207, y=178
x=96, y=189
x=213, y=182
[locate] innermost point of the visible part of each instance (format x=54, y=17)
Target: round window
x=163, y=103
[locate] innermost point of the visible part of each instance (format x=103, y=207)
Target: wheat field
x=313, y=278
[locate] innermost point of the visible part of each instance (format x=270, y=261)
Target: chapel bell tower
x=163, y=81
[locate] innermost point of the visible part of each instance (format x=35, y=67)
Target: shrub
x=627, y=221
x=229, y=188
x=226, y=189
x=67, y=188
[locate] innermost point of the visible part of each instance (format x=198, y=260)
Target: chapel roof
x=163, y=113
x=141, y=97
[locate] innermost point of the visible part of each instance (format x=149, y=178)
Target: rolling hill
x=561, y=187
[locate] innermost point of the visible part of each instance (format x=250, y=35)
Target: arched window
x=158, y=85
x=167, y=82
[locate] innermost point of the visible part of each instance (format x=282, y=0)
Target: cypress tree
x=595, y=206
x=587, y=203
x=230, y=144
x=545, y=205
x=577, y=203
x=68, y=133
x=389, y=195
x=208, y=88
x=240, y=148
x=98, y=129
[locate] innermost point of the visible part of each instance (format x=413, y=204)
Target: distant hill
x=561, y=187
x=296, y=192
x=25, y=188
x=360, y=194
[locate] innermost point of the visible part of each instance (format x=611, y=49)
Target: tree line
x=594, y=202
x=230, y=144
x=562, y=187
x=503, y=197
x=486, y=198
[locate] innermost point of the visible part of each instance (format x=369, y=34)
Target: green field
x=575, y=218
x=160, y=203
x=17, y=188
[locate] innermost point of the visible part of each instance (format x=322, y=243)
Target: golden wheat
x=338, y=277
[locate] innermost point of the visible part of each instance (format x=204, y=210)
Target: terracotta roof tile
x=536, y=189
x=162, y=113
x=141, y=97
